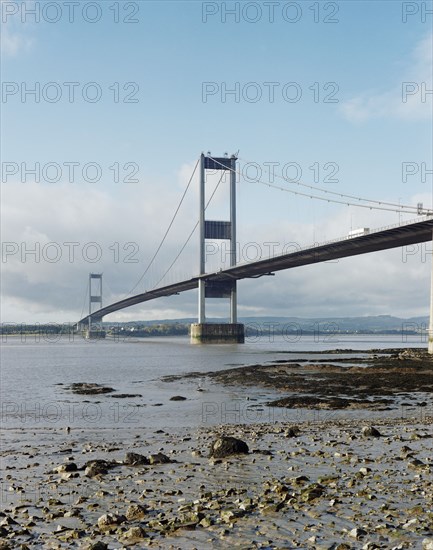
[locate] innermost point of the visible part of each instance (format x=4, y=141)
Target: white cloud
x=44, y=277
x=13, y=42
x=15, y=33
x=408, y=99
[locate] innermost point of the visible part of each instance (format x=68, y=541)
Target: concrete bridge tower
x=94, y=328
x=203, y=332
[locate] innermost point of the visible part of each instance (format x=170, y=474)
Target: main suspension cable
x=192, y=232
x=167, y=231
x=403, y=208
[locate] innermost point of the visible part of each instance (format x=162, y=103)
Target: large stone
x=108, y=520
x=313, y=491
x=86, y=388
x=370, y=431
x=67, y=467
x=97, y=467
x=134, y=534
x=357, y=533
x=159, y=458
x=135, y=459
x=135, y=511
x=227, y=446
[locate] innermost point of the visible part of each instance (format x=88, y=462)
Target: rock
x=7, y=520
x=357, y=533
x=177, y=398
x=312, y=492
x=427, y=544
x=98, y=546
x=370, y=431
x=54, y=502
x=126, y=395
x=135, y=511
x=292, y=432
x=206, y=522
x=108, y=520
x=299, y=480
x=365, y=471
x=97, y=467
x=134, y=533
x=191, y=518
x=135, y=459
x=68, y=467
x=85, y=388
x=159, y=458
x=227, y=516
x=416, y=463
x=226, y=446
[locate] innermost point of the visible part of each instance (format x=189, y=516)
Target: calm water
x=35, y=375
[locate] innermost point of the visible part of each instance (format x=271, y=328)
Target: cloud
x=13, y=42
x=15, y=37
x=53, y=236
x=409, y=99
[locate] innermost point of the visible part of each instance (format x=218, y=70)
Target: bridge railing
x=348, y=237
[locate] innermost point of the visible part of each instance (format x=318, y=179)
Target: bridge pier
x=217, y=333
x=94, y=334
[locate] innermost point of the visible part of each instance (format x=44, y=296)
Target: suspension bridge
x=223, y=283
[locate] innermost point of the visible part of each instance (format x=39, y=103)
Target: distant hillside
x=379, y=324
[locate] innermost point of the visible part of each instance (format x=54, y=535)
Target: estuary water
x=36, y=374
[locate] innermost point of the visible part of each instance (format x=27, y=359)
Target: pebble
x=370, y=431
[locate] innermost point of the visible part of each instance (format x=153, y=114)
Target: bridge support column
x=94, y=330
x=217, y=333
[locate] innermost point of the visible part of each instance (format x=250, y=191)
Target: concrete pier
x=217, y=333
x=94, y=334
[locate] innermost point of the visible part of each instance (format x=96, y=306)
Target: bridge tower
x=94, y=329
x=203, y=332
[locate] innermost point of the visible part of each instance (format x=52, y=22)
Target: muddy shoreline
x=317, y=485
x=337, y=484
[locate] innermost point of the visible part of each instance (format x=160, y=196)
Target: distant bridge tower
x=203, y=332
x=95, y=297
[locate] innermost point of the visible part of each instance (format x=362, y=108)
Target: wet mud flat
x=373, y=379
x=330, y=485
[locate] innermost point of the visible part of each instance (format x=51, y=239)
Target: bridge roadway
x=394, y=237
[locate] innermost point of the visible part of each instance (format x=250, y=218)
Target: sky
x=106, y=107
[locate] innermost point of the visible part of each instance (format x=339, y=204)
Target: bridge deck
x=402, y=235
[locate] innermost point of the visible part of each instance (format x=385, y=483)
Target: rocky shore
x=372, y=379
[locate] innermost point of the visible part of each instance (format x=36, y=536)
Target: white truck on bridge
x=359, y=232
